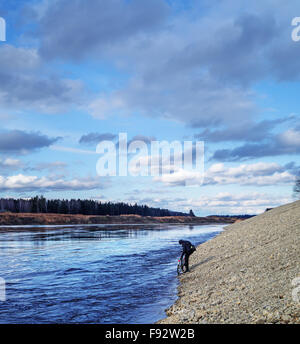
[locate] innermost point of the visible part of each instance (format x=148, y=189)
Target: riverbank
x=7, y=219
x=245, y=274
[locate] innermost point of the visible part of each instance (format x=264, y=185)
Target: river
x=92, y=274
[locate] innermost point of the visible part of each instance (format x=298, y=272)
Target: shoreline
x=244, y=274
x=27, y=219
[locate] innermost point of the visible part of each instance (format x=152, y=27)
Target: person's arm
x=184, y=249
x=182, y=254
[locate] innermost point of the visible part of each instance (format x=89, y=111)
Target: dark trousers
x=186, y=261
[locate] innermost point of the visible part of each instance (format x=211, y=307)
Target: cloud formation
x=21, y=142
x=248, y=131
x=221, y=203
x=8, y=165
x=246, y=203
x=23, y=183
x=26, y=83
x=95, y=138
x=201, y=72
x=257, y=174
x=285, y=143
x=96, y=27
x=180, y=65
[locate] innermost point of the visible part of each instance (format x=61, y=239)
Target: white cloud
x=22, y=183
x=9, y=164
x=181, y=177
x=222, y=203
x=228, y=203
x=290, y=138
x=258, y=174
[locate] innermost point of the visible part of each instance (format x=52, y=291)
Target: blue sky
x=223, y=72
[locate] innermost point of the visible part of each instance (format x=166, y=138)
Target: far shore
x=13, y=219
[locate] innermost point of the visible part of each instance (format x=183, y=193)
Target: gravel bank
x=244, y=275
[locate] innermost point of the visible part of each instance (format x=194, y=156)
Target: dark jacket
x=186, y=247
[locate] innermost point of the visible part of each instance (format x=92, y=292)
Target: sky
x=226, y=73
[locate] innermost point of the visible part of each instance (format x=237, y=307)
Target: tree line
x=40, y=204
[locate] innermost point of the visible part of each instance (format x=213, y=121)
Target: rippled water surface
x=91, y=274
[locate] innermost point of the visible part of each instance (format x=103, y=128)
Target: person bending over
x=187, y=249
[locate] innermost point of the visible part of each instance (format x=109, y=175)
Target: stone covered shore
x=245, y=274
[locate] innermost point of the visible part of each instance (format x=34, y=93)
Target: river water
x=91, y=274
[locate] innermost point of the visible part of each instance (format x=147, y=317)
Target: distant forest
x=40, y=204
